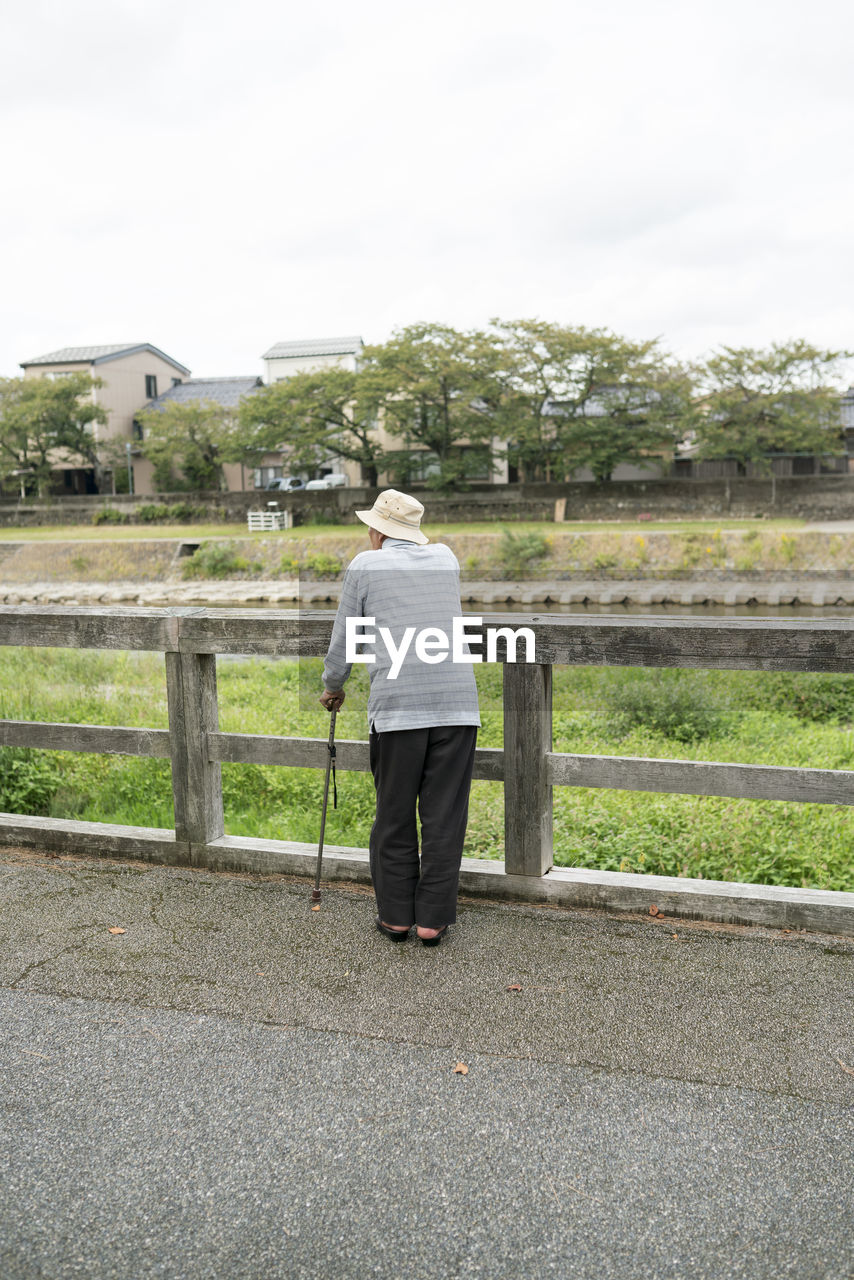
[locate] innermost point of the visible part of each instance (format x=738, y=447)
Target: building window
x=263, y=476
x=422, y=465
x=150, y=386
x=136, y=430
x=176, y=382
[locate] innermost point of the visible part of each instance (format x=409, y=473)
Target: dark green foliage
x=28, y=780
x=681, y=705
x=824, y=699
x=110, y=515
x=754, y=403
x=517, y=552
x=44, y=421
x=168, y=513
x=215, y=560
x=322, y=565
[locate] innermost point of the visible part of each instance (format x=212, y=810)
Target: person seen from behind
x=423, y=716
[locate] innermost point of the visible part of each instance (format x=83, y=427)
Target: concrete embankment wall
x=828, y=497
x=727, y=566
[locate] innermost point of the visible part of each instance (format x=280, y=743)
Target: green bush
x=323, y=565
x=215, y=560
x=163, y=513
x=825, y=699
x=109, y=515
x=289, y=565
x=684, y=706
x=152, y=512
x=517, y=552
x=182, y=511
x=28, y=780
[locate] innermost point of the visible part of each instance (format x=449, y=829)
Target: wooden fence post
x=196, y=780
x=527, y=791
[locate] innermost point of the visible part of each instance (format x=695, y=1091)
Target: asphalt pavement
x=238, y=1086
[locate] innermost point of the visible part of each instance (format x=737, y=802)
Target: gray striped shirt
x=402, y=586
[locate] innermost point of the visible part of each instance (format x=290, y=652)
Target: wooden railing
x=527, y=765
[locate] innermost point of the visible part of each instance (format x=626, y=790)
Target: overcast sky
x=214, y=178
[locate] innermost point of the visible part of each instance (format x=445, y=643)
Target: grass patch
x=752, y=717
x=434, y=530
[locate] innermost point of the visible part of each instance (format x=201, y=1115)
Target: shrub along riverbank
x=752, y=717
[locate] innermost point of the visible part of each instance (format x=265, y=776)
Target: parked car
x=334, y=481
x=285, y=482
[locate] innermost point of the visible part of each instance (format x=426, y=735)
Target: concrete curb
x=721, y=901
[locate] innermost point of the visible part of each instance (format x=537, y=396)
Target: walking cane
x=330, y=768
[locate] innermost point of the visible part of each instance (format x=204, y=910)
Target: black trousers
x=431, y=768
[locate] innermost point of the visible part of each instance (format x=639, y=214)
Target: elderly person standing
x=422, y=712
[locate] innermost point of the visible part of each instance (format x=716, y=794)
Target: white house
x=287, y=358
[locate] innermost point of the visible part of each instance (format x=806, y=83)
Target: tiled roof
x=315, y=347
x=224, y=391
x=100, y=355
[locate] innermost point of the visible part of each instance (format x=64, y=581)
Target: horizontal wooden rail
x=756, y=644
x=311, y=753
x=104, y=739
x=702, y=778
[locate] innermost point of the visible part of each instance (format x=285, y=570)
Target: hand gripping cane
x=330, y=769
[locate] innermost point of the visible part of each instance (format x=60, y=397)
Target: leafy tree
x=754, y=403
x=191, y=438
x=315, y=415
x=437, y=390
x=575, y=397
x=45, y=422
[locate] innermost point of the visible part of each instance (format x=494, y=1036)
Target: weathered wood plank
x=71, y=627
x=300, y=753
x=101, y=839
x=758, y=644
x=310, y=753
x=259, y=632
x=105, y=739
x=703, y=778
x=799, y=644
x=193, y=713
x=527, y=790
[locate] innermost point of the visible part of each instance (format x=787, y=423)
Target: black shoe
x=434, y=942
x=396, y=935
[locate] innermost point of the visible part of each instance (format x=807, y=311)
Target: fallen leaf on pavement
x=676, y=935
x=653, y=910
x=850, y=1070
x=515, y=987
x=114, y=929
x=317, y=908
x=461, y=1069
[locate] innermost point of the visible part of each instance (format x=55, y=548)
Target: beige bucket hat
x=396, y=515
